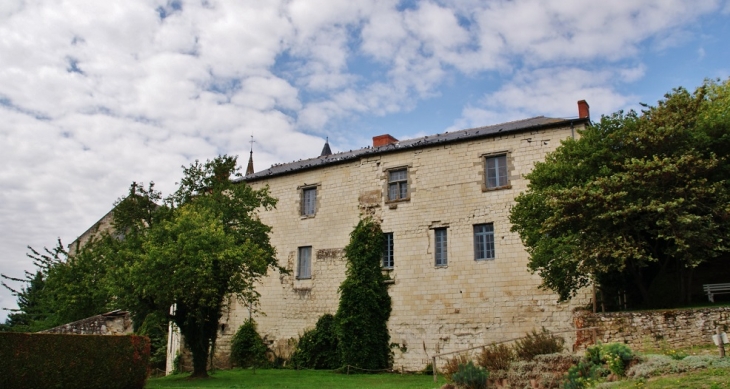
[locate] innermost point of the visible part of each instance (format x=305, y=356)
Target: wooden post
x=720, y=345
x=435, y=373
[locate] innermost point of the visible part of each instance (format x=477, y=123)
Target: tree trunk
x=200, y=363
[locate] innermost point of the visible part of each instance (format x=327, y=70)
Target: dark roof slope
x=417, y=143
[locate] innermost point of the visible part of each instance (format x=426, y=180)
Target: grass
x=702, y=379
x=295, y=379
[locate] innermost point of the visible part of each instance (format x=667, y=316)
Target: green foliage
x=71, y=361
x=199, y=246
x=616, y=356
x=247, y=347
x=317, y=348
x=365, y=305
x=62, y=289
x=496, y=357
x=538, y=343
x=452, y=365
x=470, y=377
x=583, y=375
x=590, y=370
x=155, y=327
x=635, y=197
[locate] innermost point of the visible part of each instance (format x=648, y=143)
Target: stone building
x=459, y=277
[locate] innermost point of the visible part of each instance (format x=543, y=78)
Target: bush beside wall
x=73, y=361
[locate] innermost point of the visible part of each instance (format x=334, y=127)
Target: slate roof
x=417, y=143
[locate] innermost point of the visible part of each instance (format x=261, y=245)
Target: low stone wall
x=112, y=323
x=652, y=329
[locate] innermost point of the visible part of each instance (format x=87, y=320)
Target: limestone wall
x=654, y=329
x=112, y=323
x=436, y=308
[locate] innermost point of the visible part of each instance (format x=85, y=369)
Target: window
x=388, y=261
x=440, y=246
x=398, y=184
x=304, y=268
x=496, y=171
x=483, y=241
x=309, y=201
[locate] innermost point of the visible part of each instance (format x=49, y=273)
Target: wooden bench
x=713, y=289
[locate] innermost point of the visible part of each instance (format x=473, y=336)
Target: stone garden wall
x=112, y=323
x=653, y=329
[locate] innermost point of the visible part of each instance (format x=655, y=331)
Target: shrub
x=583, y=375
x=365, y=305
x=73, y=361
x=469, y=376
x=428, y=370
x=538, y=343
x=452, y=365
x=247, y=347
x=496, y=357
x=317, y=348
x=617, y=356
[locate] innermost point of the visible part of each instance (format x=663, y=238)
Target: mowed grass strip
x=297, y=379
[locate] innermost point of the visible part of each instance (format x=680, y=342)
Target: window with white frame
x=496, y=171
x=483, y=241
x=388, y=261
x=440, y=247
x=304, y=263
x=309, y=201
x=397, y=184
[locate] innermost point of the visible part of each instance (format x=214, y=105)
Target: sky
x=97, y=94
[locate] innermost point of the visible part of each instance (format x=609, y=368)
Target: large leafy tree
x=365, y=305
x=638, y=199
x=191, y=251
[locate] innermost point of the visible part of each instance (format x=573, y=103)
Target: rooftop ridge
x=424, y=141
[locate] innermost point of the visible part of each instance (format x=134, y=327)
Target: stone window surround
x=300, y=199
x=386, y=182
x=483, y=172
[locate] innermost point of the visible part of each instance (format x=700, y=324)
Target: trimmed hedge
x=73, y=361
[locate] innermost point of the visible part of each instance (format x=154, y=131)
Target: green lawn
x=293, y=379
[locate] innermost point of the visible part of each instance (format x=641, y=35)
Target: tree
x=201, y=245
x=639, y=199
x=365, y=305
x=62, y=289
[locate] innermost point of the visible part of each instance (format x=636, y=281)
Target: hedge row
x=72, y=361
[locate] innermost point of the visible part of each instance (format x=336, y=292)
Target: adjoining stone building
x=459, y=277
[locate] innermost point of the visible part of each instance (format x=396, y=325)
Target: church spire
x=249, y=168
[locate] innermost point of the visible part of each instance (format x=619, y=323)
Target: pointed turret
x=249, y=168
x=326, y=149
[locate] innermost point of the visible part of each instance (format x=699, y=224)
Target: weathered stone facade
x=436, y=309
x=111, y=323
x=654, y=329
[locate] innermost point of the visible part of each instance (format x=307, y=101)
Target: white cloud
x=551, y=92
x=94, y=95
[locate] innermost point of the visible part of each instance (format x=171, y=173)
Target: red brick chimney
x=383, y=140
x=584, y=111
